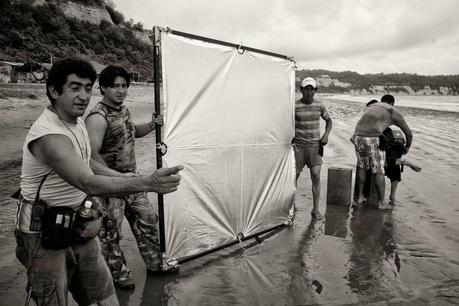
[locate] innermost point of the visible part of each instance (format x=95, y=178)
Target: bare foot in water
x=316, y=215
x=384, y=206
x=359, y=203
x=393, y=201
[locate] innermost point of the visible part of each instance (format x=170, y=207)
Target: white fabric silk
x=229, y=119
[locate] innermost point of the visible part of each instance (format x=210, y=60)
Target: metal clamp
x=165, y=29
x=162, y=148
x=240, y=236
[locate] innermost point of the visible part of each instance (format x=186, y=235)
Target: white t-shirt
x=55, y=191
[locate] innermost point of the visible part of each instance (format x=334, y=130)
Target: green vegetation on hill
x=395, y=80
x=34, y=33
x=37, y=32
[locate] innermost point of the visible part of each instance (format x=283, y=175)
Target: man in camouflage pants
x=112, y=134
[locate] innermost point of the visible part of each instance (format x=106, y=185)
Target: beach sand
x=408, y=256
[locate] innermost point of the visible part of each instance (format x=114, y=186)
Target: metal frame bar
x=156, y=38
x=228, y=244
x=228, y=44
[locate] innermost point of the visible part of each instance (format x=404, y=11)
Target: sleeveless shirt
x=118, y=145
x=55, y=191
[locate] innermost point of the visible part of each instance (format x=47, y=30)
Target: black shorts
x=392, y=171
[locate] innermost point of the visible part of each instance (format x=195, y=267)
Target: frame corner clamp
x=162, y=148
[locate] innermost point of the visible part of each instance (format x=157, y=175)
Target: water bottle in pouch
x=87, y=226
x=86, y=211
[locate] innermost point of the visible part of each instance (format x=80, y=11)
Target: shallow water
x=405, y=257
x=432, y=102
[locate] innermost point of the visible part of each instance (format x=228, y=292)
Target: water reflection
x=374, y=263
x=236, y=276
x=337, y=221
x=156, y=289
x=304, y=284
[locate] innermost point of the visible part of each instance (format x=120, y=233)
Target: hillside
x=401, y=83
x=38, y=29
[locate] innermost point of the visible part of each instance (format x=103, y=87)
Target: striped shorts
x=368, y=154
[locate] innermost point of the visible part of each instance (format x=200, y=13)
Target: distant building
x=29, y=72
x=7, y=71
x=32, y=72
x=135, y=76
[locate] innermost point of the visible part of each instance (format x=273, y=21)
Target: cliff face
x=326, y=81
x=91, y=14
x=401, y=90
x=34, y=30
x=327, y=84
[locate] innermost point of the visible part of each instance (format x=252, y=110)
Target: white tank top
x=55, y=191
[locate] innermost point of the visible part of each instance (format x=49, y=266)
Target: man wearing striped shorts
x=307, y=143
x=376, y=118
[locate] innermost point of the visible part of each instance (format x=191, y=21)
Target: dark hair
x=108, y=75
x=388, y=99
x=59, y=72
x=372, y=102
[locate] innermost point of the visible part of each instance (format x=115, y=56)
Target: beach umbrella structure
x=229, y=119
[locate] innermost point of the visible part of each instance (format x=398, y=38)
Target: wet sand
x=405, y=257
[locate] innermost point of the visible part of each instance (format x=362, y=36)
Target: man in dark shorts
x=394, y=146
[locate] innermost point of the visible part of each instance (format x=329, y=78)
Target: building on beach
x=28, y=72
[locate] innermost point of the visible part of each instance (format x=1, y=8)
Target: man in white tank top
x=57, y=152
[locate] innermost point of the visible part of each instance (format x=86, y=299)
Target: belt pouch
x=57, y=224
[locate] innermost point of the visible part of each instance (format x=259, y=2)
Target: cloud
x=335, y=34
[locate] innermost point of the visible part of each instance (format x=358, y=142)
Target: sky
x=365, y=36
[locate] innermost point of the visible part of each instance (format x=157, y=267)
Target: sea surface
x=408, y=256
x=432, y=102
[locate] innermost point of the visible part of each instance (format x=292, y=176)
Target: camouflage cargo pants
x=142, y=220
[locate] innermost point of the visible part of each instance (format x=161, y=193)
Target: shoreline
x=320, y=91
x=420, y=110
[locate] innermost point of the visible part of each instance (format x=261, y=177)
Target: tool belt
x=62, y=226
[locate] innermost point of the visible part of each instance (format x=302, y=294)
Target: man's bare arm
x=57, y=152
x=102, y=169
x=144, y=129
x=328, y=127
x=400, y=122
x=96, y=125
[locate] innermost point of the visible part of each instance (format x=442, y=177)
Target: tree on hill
x=37, y=32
